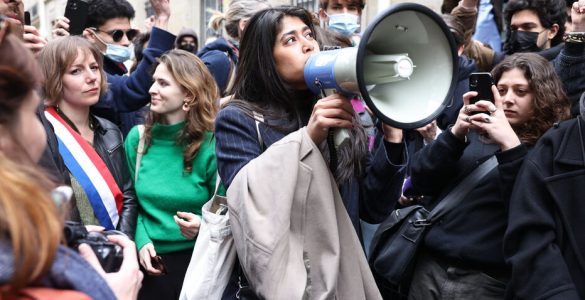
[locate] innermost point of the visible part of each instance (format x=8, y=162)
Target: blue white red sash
x=89, y=170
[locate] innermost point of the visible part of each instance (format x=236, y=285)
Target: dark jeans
x=435, y=279
x=168, y=286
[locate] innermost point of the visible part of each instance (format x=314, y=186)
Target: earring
x=186, y=106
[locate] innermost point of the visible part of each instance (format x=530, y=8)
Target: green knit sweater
x=163, y=188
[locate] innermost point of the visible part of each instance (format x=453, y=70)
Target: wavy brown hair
x=28, y=217
x=193, y=76
x=550, y=103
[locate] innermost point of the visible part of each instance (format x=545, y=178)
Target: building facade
x=193, y=14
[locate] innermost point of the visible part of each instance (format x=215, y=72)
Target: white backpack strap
x=139, y=151
x=259, y=118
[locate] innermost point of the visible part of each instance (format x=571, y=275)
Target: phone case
x=157, y=263
x=27, y=20
x=76, y=12
x=481, y=83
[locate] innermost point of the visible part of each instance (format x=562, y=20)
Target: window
x=148, y=8
x=206, y=13
x=310, y=5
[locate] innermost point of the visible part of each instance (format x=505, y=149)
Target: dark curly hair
x=550, y=101
x=549, y=12
x=100, y=11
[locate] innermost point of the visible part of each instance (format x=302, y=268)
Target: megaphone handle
x=335, y=136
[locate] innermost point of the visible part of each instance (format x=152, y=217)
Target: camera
x=109, y=254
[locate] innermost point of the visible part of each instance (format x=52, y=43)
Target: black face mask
x=522, y=41
x=187, y=47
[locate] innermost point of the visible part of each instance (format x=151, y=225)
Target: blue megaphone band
x=319, y=71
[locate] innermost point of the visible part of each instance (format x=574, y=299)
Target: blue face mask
x=345, y=24
x=119, y=53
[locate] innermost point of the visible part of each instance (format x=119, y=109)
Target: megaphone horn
x=405, y=66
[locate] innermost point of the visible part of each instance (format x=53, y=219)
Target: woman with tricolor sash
x=91, y=147
x=174, y=169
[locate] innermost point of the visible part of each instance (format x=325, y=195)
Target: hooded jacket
x=219, y=56
x=186, y=32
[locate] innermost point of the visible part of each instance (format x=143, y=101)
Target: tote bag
x=214, y=254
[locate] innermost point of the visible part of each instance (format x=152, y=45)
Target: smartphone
x=157, y=263
x=27, y=20
x=76, y=12
x=481, y=82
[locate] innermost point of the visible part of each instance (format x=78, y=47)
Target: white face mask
x=344, y=23
x=119, y=53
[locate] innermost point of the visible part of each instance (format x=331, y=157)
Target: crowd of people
x=132, y=156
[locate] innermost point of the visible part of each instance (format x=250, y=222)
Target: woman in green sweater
x=177, y=170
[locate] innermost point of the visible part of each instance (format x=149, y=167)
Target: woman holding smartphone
x=463, y=251
x=175, y=172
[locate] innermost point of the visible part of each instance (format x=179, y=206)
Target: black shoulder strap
x=455, y=196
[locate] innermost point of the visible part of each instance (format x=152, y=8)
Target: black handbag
x=397, y=240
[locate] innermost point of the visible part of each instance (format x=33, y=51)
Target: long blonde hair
x=237, y=10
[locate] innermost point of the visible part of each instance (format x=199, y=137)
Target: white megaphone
x=405, y=67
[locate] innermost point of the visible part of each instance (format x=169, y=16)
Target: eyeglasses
x=118, y=34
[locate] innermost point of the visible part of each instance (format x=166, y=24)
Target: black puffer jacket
x=109, y=144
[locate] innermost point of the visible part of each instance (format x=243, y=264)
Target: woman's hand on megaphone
x=392, y=134
x=333, y=111
x=494, y=123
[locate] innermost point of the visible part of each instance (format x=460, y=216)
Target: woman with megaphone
x=463, y=254
x=273, y=156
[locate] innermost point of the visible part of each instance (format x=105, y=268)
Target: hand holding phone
x=157, y=263
x=76, y=12
x=481, y=82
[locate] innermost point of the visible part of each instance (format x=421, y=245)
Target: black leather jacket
x=109, y=144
